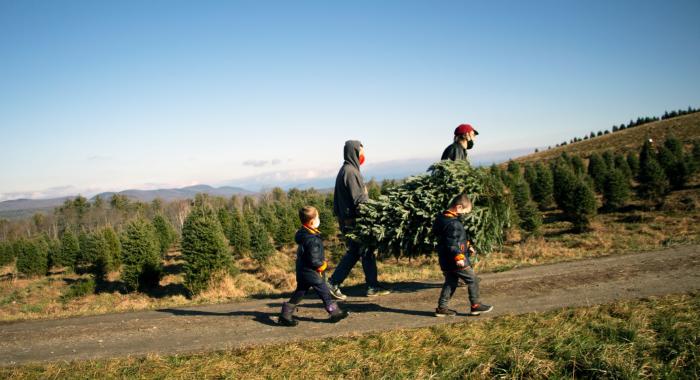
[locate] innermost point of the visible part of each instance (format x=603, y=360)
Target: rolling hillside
x=686, y=128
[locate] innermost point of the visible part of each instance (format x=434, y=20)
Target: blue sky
x=115, y=95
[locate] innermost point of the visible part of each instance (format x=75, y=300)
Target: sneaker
x=377, y=291
x=479, y=308
x=336, y=293
x=444, y=312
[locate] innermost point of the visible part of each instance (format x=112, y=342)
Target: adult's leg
x=448, y=289
x=347, y=262
x=469, y=277
x=369, y=266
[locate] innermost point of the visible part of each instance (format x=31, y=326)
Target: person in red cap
x=464, y=140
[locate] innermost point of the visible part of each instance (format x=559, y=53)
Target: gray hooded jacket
x=349, y=185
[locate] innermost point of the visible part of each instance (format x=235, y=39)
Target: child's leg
x=448, y=289
x=469, y=277
x=299, y=293
x=324, y=293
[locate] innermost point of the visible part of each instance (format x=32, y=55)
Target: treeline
x=570, y=182
x=631, y=124
x=132, y=237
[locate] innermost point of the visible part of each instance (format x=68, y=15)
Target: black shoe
x=287, y=322
x=287, y=315
x=338, y=315
x=336, y=293
x=479, y=308
x=444, y=312
x=373, y=291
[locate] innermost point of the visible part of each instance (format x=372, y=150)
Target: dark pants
x=355, y=253
x=452, y=280
x=306, y=280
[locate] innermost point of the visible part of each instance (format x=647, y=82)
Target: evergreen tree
x=140, y=255
x=70, y=249
x=7, y=253
x=677, y=166
x=32, y=257
x=114, y=246
x=261, y=247
x=622, y=165
x=166, y=233
x=530, y=219
x=598, y=170
x=578, y=166
x=239, y=234
x=83, y=260
x=399, y=223
x=530, y=174
x=616, y=190
x=95, y=247
x=513, y=169
x=204, y=248
x=287, y=225
x=564, y=185
x=633, y=162
x=54, y=250
x=329, y=226
x=543, y=188
x=653, y=183
x=609, y=159
x=583, y=208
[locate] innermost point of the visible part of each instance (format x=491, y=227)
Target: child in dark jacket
x=310, y=265
x=453, y=251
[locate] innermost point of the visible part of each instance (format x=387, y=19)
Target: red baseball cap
x=463, y=129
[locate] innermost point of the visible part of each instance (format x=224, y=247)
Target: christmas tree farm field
x=63, y=295
x=649, y=338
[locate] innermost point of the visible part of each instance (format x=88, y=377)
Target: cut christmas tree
x=400, y=222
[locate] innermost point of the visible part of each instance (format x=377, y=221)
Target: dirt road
x=206, y=328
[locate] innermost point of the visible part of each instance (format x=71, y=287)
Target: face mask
x=470, y=144
x=362, y=159
x=316, y=223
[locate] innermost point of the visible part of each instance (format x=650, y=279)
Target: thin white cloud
x=262, y=163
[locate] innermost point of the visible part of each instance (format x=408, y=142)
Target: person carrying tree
x=350, y=192
x=464, y=138
x=454, y=249
x=310, y=265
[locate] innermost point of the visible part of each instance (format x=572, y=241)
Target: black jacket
x=310, y=255
x=454, y=152
x=452, y=242
x=349, y=184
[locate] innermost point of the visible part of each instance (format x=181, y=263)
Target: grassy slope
x=686, y=128
x=653, y=338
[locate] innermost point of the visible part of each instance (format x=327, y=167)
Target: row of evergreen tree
x=570, y=182
x=632, y=124
x=249, y=227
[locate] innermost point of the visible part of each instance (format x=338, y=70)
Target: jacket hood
x=351, y=153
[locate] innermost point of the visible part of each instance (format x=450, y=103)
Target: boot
x=287, y=315
x=336, y=314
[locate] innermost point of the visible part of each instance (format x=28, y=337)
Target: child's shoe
x=287, y=315
x=479, y=308
x=336, y=314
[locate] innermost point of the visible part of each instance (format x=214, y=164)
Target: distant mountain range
x=20, y=208
x=175, y=194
